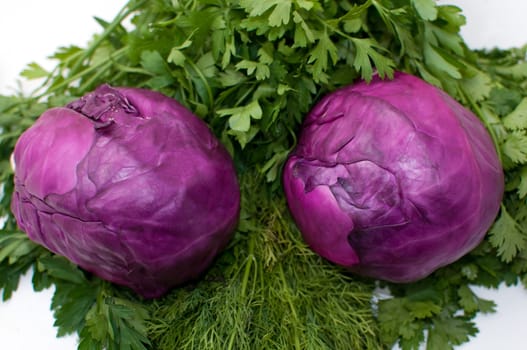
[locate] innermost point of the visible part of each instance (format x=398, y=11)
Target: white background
x=31, y=30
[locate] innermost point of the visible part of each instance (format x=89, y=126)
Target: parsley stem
x=205, y=82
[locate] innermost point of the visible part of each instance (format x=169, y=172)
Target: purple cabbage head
x=129, y=185
x=393, y=179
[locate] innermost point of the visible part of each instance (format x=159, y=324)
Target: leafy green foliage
x=277, y=295
x=34, y=71
x=426, y=9
x=252, y=70
x=17, y=255
x=440, y=307
x=114, y=323
x=508, y=236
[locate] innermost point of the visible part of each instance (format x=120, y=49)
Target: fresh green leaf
x=522, y=187
x=445, y=333
x=280, y=13
x=478, y=86
x=206, y=65
x=517, y=71
x=244, y=137
x=366, y=53
x=504, y=100
x=437, y=61
x=176, y=57
x=304, y=35
x=507, y=236
x=449, y=39
x=34, y=71
x=470, y=271
x=515, y=146
x=319, y=55
x=261, y=70
x=115, y=323
x=424, y=309
x=230, y=77
x=14, y=246
x=60, y=268
x=240, y=117
x=517, y=119
x=397, y=322
x=71, y=303
x=153, y=62
x=471, y=303
x=426, y=9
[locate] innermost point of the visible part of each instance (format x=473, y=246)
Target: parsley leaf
x=320, y=55
x=240, y=117
x=34, y=71
x=426, y=9
x=366, y=54
x=279, y=15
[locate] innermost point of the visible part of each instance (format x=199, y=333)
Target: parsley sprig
x=252, y=69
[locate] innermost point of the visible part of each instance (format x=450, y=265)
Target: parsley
x=252, y=69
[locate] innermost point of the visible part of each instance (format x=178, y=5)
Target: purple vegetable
x=393, y=179
x=129, y=185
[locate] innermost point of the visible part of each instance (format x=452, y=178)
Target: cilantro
x=452, y=331
x=517, y=119
x=478, y=85
x=522, y=186
x=471, y=303
x=504, y=100
x=515, y=147
x=508, y=236
x=436, y=311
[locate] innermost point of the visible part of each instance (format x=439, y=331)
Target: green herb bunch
x=252, y=70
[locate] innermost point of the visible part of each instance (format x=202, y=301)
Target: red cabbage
x=393, y=179
x=129, y=185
